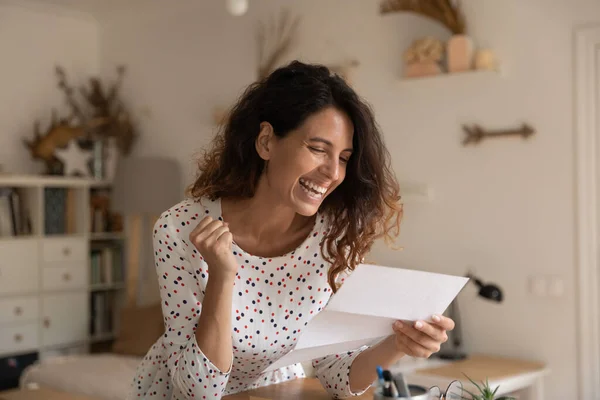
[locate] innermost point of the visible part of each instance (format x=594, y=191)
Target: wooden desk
x=298, y=389
x=511, y=375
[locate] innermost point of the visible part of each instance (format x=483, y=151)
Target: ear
x=264, y=141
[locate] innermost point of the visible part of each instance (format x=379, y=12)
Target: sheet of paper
x=363, y=310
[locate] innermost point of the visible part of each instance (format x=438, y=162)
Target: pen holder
x=416, y=393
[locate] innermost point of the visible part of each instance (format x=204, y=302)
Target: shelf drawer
x=15, y=338
x=65, y=278
x=18, y=267
x=65, y=318
x=19, y=309
x=63, y=250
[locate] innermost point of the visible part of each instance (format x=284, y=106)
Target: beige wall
x=33, y=40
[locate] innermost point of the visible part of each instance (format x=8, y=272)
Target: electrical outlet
x=556, y=286
x=538, y=286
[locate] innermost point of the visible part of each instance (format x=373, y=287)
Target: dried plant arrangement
x=446, y=12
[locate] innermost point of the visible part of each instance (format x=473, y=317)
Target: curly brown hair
x=365, y=206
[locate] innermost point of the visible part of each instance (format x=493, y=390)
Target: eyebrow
x=326, y=142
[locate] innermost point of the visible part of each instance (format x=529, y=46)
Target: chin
x=306, y=205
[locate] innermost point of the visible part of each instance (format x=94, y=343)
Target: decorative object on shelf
x=423, y=58
x=475, y=134
x=100, y=116
x=74, y=159
x=446, y=12
x=43, y=146
x=487, y=291
x=103, y=113
x=460, y=49
x=485, y=59
x=111, y=159
x=459, y=53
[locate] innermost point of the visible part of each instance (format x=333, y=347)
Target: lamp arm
x=457, y=331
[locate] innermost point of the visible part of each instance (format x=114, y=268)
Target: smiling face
x=308, y=163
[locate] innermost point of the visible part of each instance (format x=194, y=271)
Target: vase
x=459, y=50
x=98, y=159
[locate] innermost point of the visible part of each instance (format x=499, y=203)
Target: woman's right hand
x=212, y=239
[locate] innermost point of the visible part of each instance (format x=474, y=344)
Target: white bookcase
x=61, y=281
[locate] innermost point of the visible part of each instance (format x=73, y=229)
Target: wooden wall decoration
x=476, y=134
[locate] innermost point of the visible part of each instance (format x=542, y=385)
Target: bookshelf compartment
x=103, y=222
x=19, y=211
x=63, y=210
x=106, y=266
x=104, y=314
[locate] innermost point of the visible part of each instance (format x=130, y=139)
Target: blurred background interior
x=488, y=110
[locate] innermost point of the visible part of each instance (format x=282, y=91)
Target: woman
x=288, y=201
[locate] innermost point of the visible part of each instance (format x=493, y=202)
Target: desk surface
x=298, y=389
x=511, y=373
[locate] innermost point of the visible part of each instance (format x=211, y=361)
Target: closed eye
x=316, y=150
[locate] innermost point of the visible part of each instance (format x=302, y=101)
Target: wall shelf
x=456, y=76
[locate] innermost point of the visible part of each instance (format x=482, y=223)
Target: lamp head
x=488, y=291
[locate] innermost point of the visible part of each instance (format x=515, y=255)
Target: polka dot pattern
x=273, y=300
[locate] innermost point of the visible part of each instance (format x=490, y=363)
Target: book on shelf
x=14, y=214
x=107, y=265
x=60, y=211
x=102, y=313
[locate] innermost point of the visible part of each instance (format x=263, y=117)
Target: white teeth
x=313, y=186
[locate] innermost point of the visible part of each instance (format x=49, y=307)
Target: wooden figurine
x=422, y=58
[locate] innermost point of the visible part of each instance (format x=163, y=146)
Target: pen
x=380, y=374
x=403, y=389
x=392, y=390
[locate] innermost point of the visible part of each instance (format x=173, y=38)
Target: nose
x=331, y=169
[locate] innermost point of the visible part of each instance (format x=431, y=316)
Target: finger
x=201, y=225
x=226, y=238
x=209, y=230
x=411, y=347
x=216, y=234
x=443, y=322
x=419, y=337
x=433, y=331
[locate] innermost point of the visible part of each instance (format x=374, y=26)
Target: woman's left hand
x=421, y=339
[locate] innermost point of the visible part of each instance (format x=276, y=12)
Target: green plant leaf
x=474, y=383
x=505, y=398
x=474, y=396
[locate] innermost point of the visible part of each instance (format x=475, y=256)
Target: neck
x=261, y=217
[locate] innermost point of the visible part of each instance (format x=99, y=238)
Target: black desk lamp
x=487, y=291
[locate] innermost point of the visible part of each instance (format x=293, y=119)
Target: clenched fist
x=213, y=240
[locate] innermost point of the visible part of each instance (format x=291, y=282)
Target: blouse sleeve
x=333, y=371
x=192, y=373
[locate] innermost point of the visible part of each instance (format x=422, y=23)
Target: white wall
x=33, y=40
x=504, y=208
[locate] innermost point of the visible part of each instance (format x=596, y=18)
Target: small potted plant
x=485, y=392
